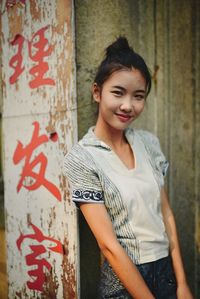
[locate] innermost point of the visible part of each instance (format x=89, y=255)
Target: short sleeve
x=158, y=159
x=79, y=168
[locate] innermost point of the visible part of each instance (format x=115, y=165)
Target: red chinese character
x=16, y=61
x=25, y=152
x=32, y=259
x=40, y=50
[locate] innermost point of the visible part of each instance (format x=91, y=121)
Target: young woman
x=116, y=178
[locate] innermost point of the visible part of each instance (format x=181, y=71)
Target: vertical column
x=182, y=124
x=196, y=93
x=39, y=126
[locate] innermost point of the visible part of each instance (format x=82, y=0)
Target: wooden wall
x=166, y=33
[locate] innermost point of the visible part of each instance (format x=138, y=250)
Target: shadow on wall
x=3, y=274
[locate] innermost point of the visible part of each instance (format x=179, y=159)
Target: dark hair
x=119, y=55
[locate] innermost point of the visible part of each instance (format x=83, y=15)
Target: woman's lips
x=123, y=117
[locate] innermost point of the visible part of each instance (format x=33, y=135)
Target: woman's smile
x=123, y=117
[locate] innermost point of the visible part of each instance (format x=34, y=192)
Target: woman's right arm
x=100, y=224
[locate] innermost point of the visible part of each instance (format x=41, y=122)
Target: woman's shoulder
x=77, y=154
x=75, y=162
x=150, y=141
x=147, y=137
x=153, y=148
x=78, y=159
x=77, y=151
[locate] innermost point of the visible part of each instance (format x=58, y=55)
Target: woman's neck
x=112, y=137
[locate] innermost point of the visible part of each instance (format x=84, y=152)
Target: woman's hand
x=183, y=291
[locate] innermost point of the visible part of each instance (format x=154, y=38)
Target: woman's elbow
x=110, y=248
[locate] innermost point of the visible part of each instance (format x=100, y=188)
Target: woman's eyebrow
x=119, y=87
x=124, y=89
x=141, y=90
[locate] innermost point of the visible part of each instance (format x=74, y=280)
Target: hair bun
x=120, y=45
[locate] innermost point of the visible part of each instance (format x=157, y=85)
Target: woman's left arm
x=183, y=291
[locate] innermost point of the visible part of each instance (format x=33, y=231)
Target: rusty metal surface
x=39, y=126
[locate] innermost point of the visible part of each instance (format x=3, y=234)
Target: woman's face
x=121, y=99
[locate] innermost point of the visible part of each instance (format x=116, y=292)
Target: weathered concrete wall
x=166, y=34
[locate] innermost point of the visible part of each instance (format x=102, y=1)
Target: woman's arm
x=183, y=291
x=98, y=219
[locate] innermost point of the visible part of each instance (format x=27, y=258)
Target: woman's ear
x=96, y=92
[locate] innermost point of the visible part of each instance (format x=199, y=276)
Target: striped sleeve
x=79, y=168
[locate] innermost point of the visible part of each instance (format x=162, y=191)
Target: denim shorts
x=159, y=277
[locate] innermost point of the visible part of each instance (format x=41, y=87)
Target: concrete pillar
x=39, y=126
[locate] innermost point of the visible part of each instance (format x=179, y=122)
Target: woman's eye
x=118, y=93
x=139, y=97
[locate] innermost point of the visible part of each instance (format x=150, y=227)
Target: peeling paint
x=40, y=128
x=16, y=20
x=64, y=13
x=52, y=285
x=69, y=276
x=65, y=187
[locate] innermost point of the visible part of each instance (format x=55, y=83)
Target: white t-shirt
x=132, y=197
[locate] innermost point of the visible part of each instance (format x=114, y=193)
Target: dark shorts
x=159, y=277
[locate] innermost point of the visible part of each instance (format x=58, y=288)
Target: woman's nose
x=126, y=105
